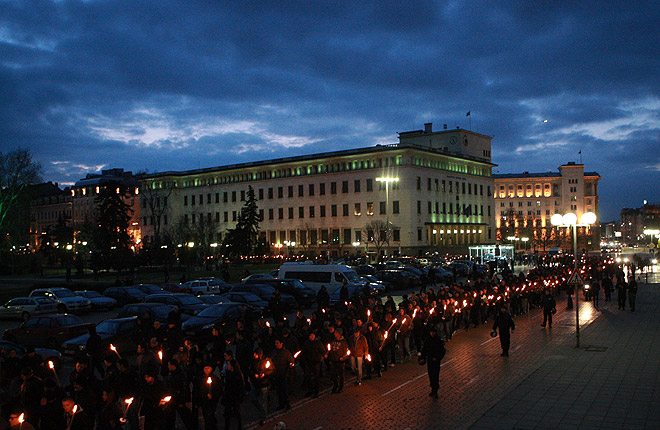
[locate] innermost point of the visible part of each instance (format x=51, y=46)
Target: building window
x=419, y=234
x=347, y=236
x=344, y=209
x=270, y=193
x=344, y=186
x=201, y=199
x=333, y=188
x=428, y=184
x=311, y=189
x=370, y=184
x=233, y=216
x=270, y=213
x=280, y=213
x=322, y=189
x=358, y=210
x=356, y=186
x=192, y=200
x=396, y=235
x=290, y=191
x=290, y=213
x=301, y=190
x=242, y=195
x=226, y=216
x=418, y=183
x=301, y=212
x=280, y=192
x=419, y=206
x=395, y=207
x=333, y=210
x=383, y=208
x=185, y=200
x=261, y=193
x=311, y=212
x=322, y=211
x=370, y=208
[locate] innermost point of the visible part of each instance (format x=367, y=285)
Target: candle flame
x=21, y=418
x=267, y=364
x=51, y=364
x=166, y=399
x=368, y=357
x=348, y=352
x=329, y=347
x=209, y=380
x=267, y=324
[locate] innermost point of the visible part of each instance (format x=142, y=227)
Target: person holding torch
x=337, y=354
x=206, y=394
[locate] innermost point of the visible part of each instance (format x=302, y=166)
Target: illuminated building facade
x=524, y=203
x=50, y=207
x=434, y=189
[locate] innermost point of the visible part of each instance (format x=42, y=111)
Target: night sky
x=175, y=85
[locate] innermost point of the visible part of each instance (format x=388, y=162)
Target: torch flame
x=404, y=321
x=414, y=313
x=129, y=401
x=368, y=357
x=296, y=354
x=267, y=364
x=348, y=352
x=51, y=364
x=112, y=347
x=160, y=355
x=166, y=399
x=209, y=380
x=267, y=324
x=75, y=408
x=368, y=312
x=329, y=347
x=309, y=320
x=386, y=334
x=21, y=418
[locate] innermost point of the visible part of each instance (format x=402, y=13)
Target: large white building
x=441, y=199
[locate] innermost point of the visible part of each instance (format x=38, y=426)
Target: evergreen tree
x=112, y=238
x=244, y=239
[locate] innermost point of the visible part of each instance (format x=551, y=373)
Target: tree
x=507, y=225
x=377, y=233
x=244, y=239
x=17, y=172
x=112, y=238
x=156, y=207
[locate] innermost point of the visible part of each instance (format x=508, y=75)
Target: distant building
x=634, y=221
x=327, y=203
x=50, y=207
x=524, y=203
x=85, y=191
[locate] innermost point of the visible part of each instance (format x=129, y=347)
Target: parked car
x=200, y=325
x=376, y=284
x=265, y=292
x=441, y=275
x=211, y=299
x=47, y=354
x=25, y=307
x=353, y=292
x=120, y=332
x=252, y=301
x=149, y=288
x=187, y=303
x=400, y=279
x=173, y=287
x=98, y=300
x=304, y=295
x=66, y=300
x=158, y=311
x=125, y=295
x=206, y=286
x=365, y=269
x=461, y=269
x=257, y=276
x=48, y=330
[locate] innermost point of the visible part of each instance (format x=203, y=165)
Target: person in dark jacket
x=283, y=362
x=323, y=298
x=31, y=394
x=177, y=386
x=312, y=355
x=75, y=417
x=632, y=293
x=337, y=355
x=433, y=350
x=207, y=392
x=110, y=416
x=548, y=303
x=95, y=348
x=621, y=289
x=505, y=324
x=260, y=374
x=234, y=393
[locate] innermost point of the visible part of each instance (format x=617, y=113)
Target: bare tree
x=155, y=203
x=377, y=233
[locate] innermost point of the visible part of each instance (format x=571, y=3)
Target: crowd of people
x=248, y=363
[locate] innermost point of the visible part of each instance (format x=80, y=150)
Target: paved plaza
x=610, y=382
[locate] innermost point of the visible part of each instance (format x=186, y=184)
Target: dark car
x=187, y=303
x=125, y=295
x=265, y=292
x=398, y=278
x=200, y=325
x=119, y=332
x=159, y=311
x=376, y=284
x=149, y=288
x=48, y=330
x=365, y=269
x=99, y=301
x=252, y=301
x=441, y=275
x=304, y=295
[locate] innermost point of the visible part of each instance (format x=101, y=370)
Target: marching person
x=337, y=355
x=632, y=293
x=359, y=350
x=505, y=324
x=549, y=306
x=433, y=350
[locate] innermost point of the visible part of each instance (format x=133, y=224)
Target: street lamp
x=570, y=220
x=387, y=181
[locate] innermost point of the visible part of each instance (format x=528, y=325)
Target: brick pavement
x=473, y=379
x=611, y=382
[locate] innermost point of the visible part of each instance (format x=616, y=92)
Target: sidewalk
x=546, y=382
x=611, y=382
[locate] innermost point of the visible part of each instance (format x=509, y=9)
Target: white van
x=315, y=275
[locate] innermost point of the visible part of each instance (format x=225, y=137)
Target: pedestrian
x=111, y=414
x=260, y=376
x=433, y=350
x=607, y=288
x=206, y=394
x=177, y=386
x=312, y=355
x=632, y=293
x=233, y=395
x=283, y=362
x=549, y=308
x=359, y=350
x=504, y=322
x=75, y=417
x=621, y=288
x=404, y=330
x=337, y=355
x=595, y=292
x=323, y=298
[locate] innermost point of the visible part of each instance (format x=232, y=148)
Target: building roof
x=535, y=175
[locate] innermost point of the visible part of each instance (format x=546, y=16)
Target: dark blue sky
x=173, y=85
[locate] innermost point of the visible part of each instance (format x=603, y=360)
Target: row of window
x=333, y=236
x=450, y=208
x=450, y=186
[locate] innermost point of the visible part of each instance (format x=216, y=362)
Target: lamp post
x=570, y=220
x=387, y=181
